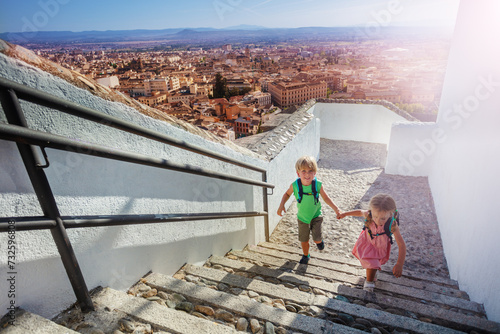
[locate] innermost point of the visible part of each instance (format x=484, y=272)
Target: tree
x=220, y=87
x=328, y=92
x=411, y=107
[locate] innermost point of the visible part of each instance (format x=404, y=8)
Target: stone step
x=436, y=314
x=352, y=266
x=423, y=293
x=24, y=322
x=243, y=307
x=317, y=259
x=355, y=263
x=117, y=310
x=237, y=283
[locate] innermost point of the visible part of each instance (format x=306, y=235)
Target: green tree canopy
x=220, y=87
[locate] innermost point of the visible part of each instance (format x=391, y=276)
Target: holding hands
x=341, y=215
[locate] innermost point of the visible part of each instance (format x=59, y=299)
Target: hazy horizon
x=114, y=15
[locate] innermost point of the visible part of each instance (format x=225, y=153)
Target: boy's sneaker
x=321, y=245
x=304, y=259
x=369, y=286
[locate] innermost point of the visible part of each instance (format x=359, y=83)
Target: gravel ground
x=352, y=173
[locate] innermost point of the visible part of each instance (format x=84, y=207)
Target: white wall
x=84, y=185
x=369, y=123
x=412, y=147
x=464, y=177
x=460, y=154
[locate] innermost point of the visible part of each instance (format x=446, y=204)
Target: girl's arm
x=398, y=267
x=355, y=213
x=286, y=196
x=329, y=201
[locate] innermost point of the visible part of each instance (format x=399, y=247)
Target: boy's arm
x=354, y=213
x=398, y=267
x=286, y=196
x=329, y=201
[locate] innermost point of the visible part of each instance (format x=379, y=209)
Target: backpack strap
x=387, y=226
x=314, y=190
x=300, y=191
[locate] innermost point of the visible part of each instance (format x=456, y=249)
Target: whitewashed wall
x=464, y=179
x=84, y=185
x=460, y=154
x=369, y=123
x=412, y=147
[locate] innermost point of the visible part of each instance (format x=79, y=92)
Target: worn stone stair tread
x=359, y=272
x=305, y=298
x=158, y=315
x=414, y=293
x=30, y=323
x=402, y=286
x=429, y=311
x=319, y=260
x=244, y=306
x=355, y=263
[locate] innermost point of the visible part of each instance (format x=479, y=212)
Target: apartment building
x=286, y=94
x=245, y=126
x=391, y=96
x=186, y=98
x=162, y=85
x=153, y=100
x=238, y=83
x=263, y=99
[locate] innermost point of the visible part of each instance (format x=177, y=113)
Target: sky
x=84, y=15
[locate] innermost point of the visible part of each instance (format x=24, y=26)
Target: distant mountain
x=188, y=32
x=245, y=27
x=204, y=36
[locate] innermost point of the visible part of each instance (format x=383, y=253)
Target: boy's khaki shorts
x=314, y=228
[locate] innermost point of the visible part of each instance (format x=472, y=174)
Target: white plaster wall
x=359, y=122
x=464, y=177
x=84, y=185
x=460, y=154
x=412, y=147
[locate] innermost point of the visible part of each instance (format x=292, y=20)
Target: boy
x=306, y=190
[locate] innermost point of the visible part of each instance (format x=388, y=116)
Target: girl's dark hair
x=381, y=202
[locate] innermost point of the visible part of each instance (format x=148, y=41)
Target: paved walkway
x=351, y=173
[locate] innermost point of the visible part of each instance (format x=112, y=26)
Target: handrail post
x=14, y=114
x=266, y=207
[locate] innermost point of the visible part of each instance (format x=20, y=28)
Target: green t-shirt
x=307, y=210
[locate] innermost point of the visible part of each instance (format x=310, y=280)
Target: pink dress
x=372, y=253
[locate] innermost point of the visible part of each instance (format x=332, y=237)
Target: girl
x=373, y=246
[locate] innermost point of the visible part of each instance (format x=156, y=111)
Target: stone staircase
x=263, y=289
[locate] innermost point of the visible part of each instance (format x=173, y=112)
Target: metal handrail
x=27, y=139
x=43, y=223
x=43, y=139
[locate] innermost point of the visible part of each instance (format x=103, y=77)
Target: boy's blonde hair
x=306, y=162
x=381, y=202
